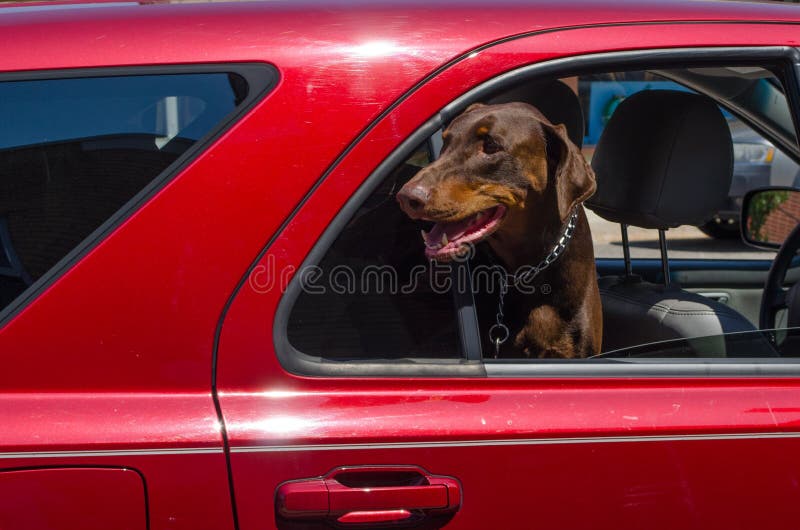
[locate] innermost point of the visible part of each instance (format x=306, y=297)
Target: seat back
x=558, y=102
x=665, y=159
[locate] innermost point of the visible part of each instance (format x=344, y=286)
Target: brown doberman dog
x=509, y=177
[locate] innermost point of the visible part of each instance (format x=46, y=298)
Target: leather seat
x=555, y=100
x=664, y=160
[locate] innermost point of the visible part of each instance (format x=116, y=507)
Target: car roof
x=586, y=6
x=70, y=33
x=544, y=13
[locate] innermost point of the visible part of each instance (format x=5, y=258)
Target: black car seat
x=555, y=100
x=663, y=160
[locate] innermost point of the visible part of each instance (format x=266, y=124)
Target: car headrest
x=555, y=100
x=665, y=159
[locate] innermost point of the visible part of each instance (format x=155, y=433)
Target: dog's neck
x=523, y=241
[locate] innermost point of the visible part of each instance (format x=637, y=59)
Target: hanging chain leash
x=498, y=333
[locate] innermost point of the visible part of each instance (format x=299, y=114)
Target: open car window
x=377, y=295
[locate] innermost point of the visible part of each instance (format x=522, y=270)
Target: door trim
x=507, y=442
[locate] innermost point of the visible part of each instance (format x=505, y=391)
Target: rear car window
x=73, y=151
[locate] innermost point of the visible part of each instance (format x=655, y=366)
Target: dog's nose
x=413, y=200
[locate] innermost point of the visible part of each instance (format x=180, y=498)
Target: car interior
x=689, y=172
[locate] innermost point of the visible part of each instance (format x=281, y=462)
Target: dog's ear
x=574, y=178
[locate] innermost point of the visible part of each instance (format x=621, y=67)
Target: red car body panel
x=46, y=497
x=113, y=364
x=515, y=435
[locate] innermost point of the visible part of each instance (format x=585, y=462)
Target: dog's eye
x=490, y=145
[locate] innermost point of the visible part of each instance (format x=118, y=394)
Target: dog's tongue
x=442, y=233
x=446, y=240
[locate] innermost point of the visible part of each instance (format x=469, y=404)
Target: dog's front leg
x=546, y=335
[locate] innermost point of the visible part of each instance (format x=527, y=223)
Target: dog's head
x=498, y=163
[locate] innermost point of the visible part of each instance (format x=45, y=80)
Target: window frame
x=261, y=79
x=782, y=60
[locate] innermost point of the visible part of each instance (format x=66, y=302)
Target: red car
x=210, y=318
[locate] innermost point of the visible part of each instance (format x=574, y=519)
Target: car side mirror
x=769, y=215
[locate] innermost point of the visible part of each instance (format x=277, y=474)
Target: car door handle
x=720, y=297
x=370, y=494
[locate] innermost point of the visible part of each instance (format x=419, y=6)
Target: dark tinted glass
x=375, y=295
x=73, y=151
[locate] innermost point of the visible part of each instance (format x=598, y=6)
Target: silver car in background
x=756, y=163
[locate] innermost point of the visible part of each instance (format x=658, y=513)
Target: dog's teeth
x=424, y=234
x=444, y=240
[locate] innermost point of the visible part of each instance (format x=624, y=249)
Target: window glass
x=757, y=161
x=73, y=151
x=784, y=343
x=374, y=295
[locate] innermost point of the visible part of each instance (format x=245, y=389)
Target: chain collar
x=498, y=333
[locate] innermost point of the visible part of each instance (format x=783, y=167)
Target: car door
x=108, y=416
x=440, y=436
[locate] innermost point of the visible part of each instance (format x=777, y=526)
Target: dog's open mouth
x=448, y=239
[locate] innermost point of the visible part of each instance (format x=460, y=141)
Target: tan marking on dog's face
x=536, y=167
x=451, y=199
